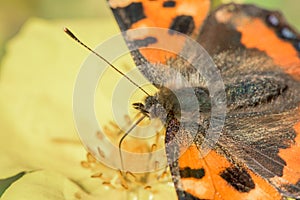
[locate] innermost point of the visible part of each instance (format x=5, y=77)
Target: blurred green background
x=13, y=13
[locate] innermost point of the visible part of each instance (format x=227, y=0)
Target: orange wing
x=221, y=179
x=250, y=27
x=184, y=16
x=234, y=169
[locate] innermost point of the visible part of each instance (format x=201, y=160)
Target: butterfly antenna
x=67, y=31
x=127, y=132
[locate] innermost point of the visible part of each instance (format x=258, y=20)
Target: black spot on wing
x=192, y=173
x=169, y=4
x=238, y=178
x=129, y=15
x=145, y=42
x=183, y=24
x=218, y=37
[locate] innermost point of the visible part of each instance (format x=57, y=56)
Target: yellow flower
x=38, y=134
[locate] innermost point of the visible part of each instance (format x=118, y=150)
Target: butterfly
x=257, y=155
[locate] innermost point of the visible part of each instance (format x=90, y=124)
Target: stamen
x=148, y=187
x=164, y=174
x=100, y=152
x=99, y=135
x=90, y=158
x=97, y=175
x=127, y=119
x=77, y=195
x=123, y=181
x=153, y=147
x=114, y=125
x=156, y=165
x=107, y=183
x=124, y=186
x=131, y=174
x=85, y=164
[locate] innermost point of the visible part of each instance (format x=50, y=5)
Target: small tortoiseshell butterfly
x=258, y=54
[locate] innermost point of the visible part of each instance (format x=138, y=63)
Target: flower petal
x=36, y=85
x=45, y=185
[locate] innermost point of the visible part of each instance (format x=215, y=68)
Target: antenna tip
x=67, y=31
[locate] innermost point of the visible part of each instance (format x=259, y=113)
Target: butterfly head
x=159, y=105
